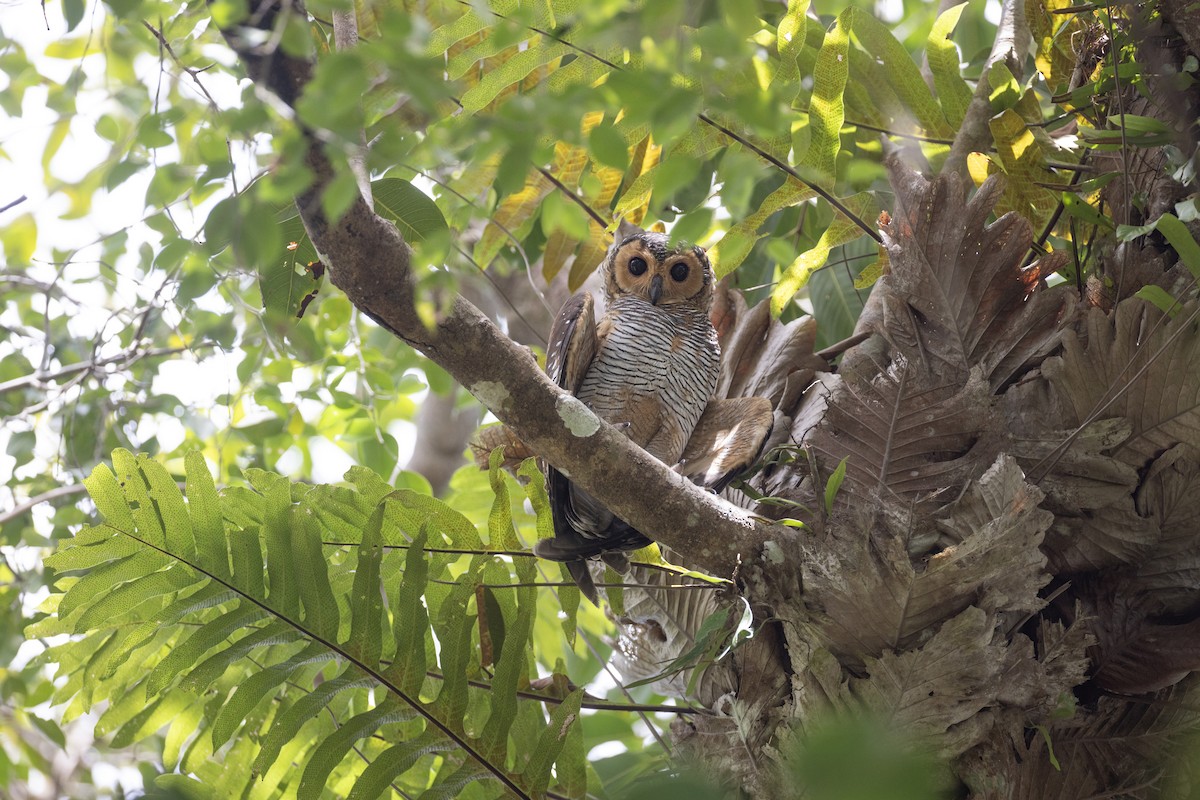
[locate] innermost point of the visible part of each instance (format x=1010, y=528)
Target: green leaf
x=100, y=581
x=394, y=761
x=609, y=146
x=129, y=595
x=1084, y=211
x=415, y=214
x=214, y=667
x=283, y=594
x=411, y=621
x=550, y=746
x=73, y=12
x=841, y=231
x=105, y=491
x=288, y=724
x=247, y=559
x=901, y=72
x=254, y=689
x=168, y=500
x=148, y=524
x=826, y=110
x=513, y=70
x=330, y=752
x=1160, y=298
x=204, y=509
x=943, y=57
x=834, y=484
x=790, y=38
x=1174, y=232
x=321, y=615
x=209, y=635
x=366, y=602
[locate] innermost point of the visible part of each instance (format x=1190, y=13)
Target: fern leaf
x=129, y=595
x=215, y=666
x=241, y=507
x=451, y=33
x=449, y=784
x=1022, y=158
x=502, y=535
x=255, y=689
x=321, y=614
x=341, y=511
x=145, y=518
x=105, y=491
x=928, y=691
x=458, y=528
x=204, y=509
x=841, y=231
x=282, y=592
x=513, y=71
x=395, y=761
x=330, y=752
x=733, y=248
x=411, y=621
x=826, y=111
x=79, y=554
x=901, y=73
x=514, y=211
x=789, y=40
x=563, y=722
x=288, y=724
x=180, y=729
x=453, y=630
x=101, y=580
x=168, y=500
x=247, y=557
x=510, y=671
x=149, y=720
x=366, y=602
x=209, y=596
x=568, y=596
x=205, y=638
x=952, y=90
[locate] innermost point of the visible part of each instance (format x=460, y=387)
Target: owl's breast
x=654, y=374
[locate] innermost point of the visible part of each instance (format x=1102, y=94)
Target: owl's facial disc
x=644, y=266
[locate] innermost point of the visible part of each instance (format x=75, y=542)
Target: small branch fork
x=370, y=261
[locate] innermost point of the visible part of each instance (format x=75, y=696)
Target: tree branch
x=370, y=261
x=125, y=357
x=1012, y=35
x=44, y=497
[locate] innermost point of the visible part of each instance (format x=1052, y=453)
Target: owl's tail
x=582, y=576
x=574, y=550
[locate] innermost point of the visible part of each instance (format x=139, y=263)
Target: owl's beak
x=655, y=289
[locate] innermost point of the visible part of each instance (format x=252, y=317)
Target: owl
x=649, y=367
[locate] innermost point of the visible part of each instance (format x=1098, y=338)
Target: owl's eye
x=679, y=272
x=637, y=266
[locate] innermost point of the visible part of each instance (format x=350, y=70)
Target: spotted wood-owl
x=648, y=367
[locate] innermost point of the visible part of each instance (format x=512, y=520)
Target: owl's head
x=643, y=264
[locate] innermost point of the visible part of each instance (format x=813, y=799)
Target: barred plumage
x=649, y=367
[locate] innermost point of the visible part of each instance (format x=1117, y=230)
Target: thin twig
x=44, y=497
x=127, y=356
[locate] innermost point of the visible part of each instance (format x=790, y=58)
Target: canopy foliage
x=273, y=605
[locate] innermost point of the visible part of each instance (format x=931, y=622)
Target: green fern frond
x=183, y=626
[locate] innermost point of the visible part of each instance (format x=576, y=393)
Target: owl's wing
x=573, y=342
x=572, y=347
x=727, y=440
